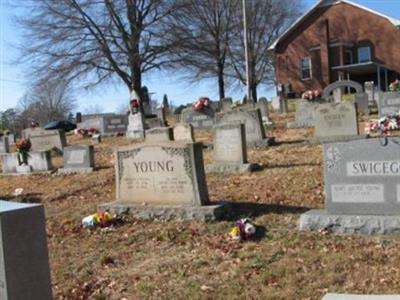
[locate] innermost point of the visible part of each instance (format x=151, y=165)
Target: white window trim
x=369, y=54
x=301, y=68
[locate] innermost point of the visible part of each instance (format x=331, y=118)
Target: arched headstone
x=341, y=84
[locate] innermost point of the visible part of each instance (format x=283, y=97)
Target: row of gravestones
x=208, y=117
x=77, y=159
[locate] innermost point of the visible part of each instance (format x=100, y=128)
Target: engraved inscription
x=373, y=168
x=115, y=121
x=357, y=193
x=76, y=157
x=334, y=120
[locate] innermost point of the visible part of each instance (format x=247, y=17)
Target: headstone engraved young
x=78, y=159
x=251, y=118
x=43, y=140
x=4, y=144
x=230, y=151
x=389, y=104
x=184, y=132
x=38, y=162
x=362, y=188
x=24, y=261
x=162, y=180
x=159, y=134
x=336, y=122
x=304, y=116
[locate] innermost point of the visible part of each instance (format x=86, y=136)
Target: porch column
x=386, y=79
x=379, y=77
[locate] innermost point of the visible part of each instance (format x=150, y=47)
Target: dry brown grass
x=193, y=260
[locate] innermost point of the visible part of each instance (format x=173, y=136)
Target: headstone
x=96, y=139
x=230, y=151
x=226, y=104
x=336, y=121
x=184, y=132
x=78, y=159
x=154, y=123
x=276, y=103
x=161, y=114
x=359, y=297
x=38, y=162
x=107, y=124
x=255, y=132
x=361, y=99
x=24, y=261
x=262, y=104
x=11, y=138
x=4, y=144
x=136, y=126
x=162, y=180
x=304, y=116
x=362, y=188
x=201, y=120
x=389, y=104
x=113, y=125
x=369, y=88
x=159, y=134
x=43, y=140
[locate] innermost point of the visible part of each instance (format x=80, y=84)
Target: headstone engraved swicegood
x=362, y=187
x=162, y=180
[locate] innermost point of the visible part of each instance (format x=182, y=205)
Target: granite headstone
x=24, y=261
x=4, y=144
x=389, y=104
x=78, y=159
x=184, y=132
x=159, y=134
x=43, y=140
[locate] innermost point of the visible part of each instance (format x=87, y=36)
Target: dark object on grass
x=65, y=125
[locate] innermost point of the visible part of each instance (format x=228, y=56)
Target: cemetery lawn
x=193, y=260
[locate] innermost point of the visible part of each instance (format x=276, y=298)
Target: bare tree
x=95, y=40
x=199, y=35
x=46, y=101
x=266, y=20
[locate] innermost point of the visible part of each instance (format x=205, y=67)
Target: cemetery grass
x=192, y=260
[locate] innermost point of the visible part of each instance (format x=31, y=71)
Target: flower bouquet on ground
x=311, y=95
x=395, y=86
x=383, y=125
x=202, y=103
x=23, y=146
x=86, y=132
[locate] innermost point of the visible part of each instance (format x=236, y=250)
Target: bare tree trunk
x=221, y=83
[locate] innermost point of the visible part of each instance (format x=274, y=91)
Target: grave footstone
x=184, y=132
x=159, y=134
x=78, y=159
x=230, y=151
x=251, y=118
x=4, y=144
x=163, y=180
x=43, y=140
x=24, y=261
x=362, y=188
x=335, y=122
x=389, y=104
